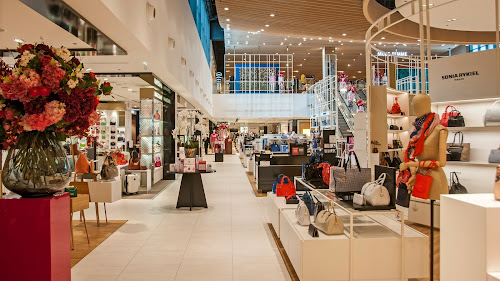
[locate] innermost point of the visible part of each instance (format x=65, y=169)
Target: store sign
x=464, y=77
x=400, y=54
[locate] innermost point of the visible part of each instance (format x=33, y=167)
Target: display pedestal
x=228, y=147
x=219, y=157
x=191, y=193
x=470, y=247
x=36, y=239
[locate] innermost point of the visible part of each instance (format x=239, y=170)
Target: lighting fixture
x=281, y=44
x=320, y=38
x=267, y=25
x=304, y=59
x=228, y=20
x=442, y=45
x=286, y=39
x=106, y=79
x=264, y=44
x=246, y=42
x=342, y=53
x=359, y=71
x=18, y=40
x=226, y=9
x=348, y=65
x=248, y=36
x=343, y=34
x=350, y=41
x=130, y=90
x=300, y=44
x=262, y=30
x=308, y=53
x=382, y=38
x=271, y=15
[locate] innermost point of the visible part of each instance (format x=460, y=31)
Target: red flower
x=75, y=61
x=92, y=75
x=44, y=49
x=44, y=60
x=25, y=47
x=96, y=101
x=42, y=91
x=106, y=84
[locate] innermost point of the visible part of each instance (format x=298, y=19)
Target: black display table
x=219, y=157
x=192, y=193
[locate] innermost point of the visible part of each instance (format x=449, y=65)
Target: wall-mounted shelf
x=456, y=129
x=392, y=116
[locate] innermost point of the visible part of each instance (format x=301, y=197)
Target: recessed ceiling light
x=442, y=45
x=228, y=20
x=130, y=90
x=267, y=25
x=226, y=9
x=264, y=44
x=18, y=40
x=271, y=15
x=320, y=38
x=350, y=41
x=359, y=71
x=308, y=53
x=281, y=44
x=248, y=36
x=382, y=38
x=300, y=43
x=348, y=65
x=262, y=30
x=246, y=42
x=344, y=34
x=304, y=59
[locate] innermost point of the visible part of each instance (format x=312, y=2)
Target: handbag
x=403, y=196
x=494, y=156
x=275, y=147
x=312, y=172
x=157, y=162
x=456, y=120
x=422, y=185
x=302, y=214
x=347, y=179
x=285, y=187
x=359, y=199
x=375, y=193
x=318, y=207
x=456, y=151
x=397, y=143
x=275, y=183
x=455, y=186
x=112, y=121
x=492, y=116
x=309, y=202
x=109, y=170
x=328, y=222
x=135, y=161
x=72, y=190
x=396, y=109
x=82, y=165
x=292, y=200
x=313, y=231
x=446, y=115
x=396, y=161
x=325, y=171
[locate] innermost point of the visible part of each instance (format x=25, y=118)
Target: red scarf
x=423, y=127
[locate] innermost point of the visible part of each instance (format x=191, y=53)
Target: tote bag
x=348, y=179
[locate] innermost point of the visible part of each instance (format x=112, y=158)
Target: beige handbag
x=302, y=214
x=328, y=222
x=375, y=193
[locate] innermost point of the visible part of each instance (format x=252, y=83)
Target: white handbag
x=302, y=214
x=492, y=115
x=375, y=193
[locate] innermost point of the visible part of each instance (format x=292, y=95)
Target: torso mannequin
x=434, y=150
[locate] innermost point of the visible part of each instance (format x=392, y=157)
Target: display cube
x=36, y=239
x=190, y=161
x=202, y=166
x=189, y=168
x=105, y=191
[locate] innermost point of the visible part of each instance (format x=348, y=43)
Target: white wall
x=125, y=22
x=230, y=106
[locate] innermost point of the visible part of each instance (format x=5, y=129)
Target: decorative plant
x=192, y=143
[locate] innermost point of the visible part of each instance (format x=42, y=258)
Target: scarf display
x=423, y=127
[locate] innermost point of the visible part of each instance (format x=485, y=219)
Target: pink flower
x=35, y=122
x=9, y=113
x=42, y=91
x=52, y=76
x=16, y=88
x=54, y=111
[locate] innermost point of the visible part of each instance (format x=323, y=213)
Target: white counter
x=470, y=237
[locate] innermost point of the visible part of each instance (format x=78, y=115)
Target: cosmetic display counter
x=380, y=247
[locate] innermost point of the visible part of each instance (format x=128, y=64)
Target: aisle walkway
x=228, y=241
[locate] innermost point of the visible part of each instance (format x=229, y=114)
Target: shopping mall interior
x=214, y=140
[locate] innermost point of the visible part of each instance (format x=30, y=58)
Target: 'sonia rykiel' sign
x=460, y=76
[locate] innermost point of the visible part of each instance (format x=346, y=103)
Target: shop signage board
x=464, y=77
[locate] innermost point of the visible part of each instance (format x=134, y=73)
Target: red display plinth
x=35, y=239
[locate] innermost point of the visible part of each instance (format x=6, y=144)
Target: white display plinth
x=105, y=191
x=275, y=204
x=470, y=231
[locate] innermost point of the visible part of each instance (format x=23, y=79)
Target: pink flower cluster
x=54, y=112
x=52, y=76
x=16, y=88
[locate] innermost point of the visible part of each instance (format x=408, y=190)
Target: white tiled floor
x=228, y=241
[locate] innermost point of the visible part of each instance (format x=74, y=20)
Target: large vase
x=36, y=165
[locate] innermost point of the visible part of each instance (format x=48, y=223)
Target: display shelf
x=463, y=163
x=396, y=131
x=393, y=116
x=395, y=92
x=465, y=101
x=395, y=149
x=478, y=128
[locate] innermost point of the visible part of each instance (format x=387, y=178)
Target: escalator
x=345, y=118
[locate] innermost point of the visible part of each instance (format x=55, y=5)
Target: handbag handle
x=381, y=179
x=283, y=179
x=349, y=160
x=460, y=137
x=449, y=106
x=454, y=110
x=493, y=105
x=453, y=178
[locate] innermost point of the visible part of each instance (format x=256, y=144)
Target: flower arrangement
x=47, y=91
x=352, y=88
x=185, y=126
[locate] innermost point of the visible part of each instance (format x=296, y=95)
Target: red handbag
x=286, y=189
x=422, y=185
x=325, y=172
x=446, y=115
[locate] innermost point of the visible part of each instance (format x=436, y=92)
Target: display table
x=275, y=204
x=374, y=246
x=219, y=157
x=104, y=192
x=36, y=239
x=192, y=193
x=470, y=231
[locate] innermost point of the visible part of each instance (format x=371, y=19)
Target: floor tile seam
x=185, y=249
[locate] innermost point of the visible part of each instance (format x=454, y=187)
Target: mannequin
x=272, y=82
x=432, y=155
x=434, y=149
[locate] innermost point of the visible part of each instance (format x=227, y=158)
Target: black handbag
x=387, y=158
x=292, y=200
x=403, y=198
x=396, y=161
x=309, y=201
x=313, y=231
x=318, y=207
x=456, y=119
x=313, y=173
x=454, y=151
x=456, y=187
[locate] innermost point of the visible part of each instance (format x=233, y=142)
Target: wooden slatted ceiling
x=298, y=19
